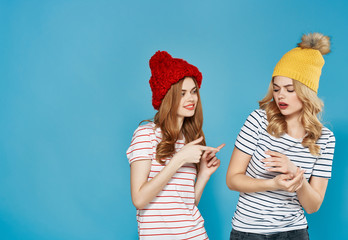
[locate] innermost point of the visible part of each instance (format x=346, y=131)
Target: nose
x=190, y=97
x=281, y=94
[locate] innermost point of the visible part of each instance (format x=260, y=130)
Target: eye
x=275, y=90
x=289, y=90
x=194, y=91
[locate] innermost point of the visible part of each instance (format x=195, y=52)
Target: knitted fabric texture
x=303, y=65
x=166, y=71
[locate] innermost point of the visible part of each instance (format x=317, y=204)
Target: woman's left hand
x=209, y=162
x=279, y=163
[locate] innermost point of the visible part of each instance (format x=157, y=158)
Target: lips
x=282, y=105
x=190, y=107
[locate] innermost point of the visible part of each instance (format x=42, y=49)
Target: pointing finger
x=198, y=140
x=221, y=146
x=206, y=148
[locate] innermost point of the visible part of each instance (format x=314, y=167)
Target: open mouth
x=283, y=105
x=190, y=107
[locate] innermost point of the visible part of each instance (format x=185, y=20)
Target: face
x=189, y=98
x=285, y=97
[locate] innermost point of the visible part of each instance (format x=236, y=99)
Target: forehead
x=188, y=83
x=282, y=81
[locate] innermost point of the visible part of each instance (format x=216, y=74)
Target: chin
x=190, y=114
x=284, y=112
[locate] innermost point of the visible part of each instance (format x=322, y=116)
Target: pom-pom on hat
x=165, y=71
x=304, y=63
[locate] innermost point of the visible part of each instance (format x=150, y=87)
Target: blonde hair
x=166, y=120
x=310, y=115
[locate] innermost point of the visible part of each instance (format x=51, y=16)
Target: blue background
x=74, y=86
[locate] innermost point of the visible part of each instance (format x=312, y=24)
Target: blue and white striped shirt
x=276, y=211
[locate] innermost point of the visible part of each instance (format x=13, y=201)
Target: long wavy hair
x=166, y=119
x=310, y=115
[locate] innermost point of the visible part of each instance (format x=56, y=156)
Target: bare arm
x=311, y=194
x=144, y=191
x=199, y=187
x=236, y=179
x=208, y=165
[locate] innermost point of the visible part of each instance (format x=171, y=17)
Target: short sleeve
x=323, y=165
x=248, y=136
x=141, y=147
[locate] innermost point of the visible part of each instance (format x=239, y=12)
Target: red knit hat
x=165, y=71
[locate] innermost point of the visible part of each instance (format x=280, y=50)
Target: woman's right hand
x=192, y=152
x=289, y=182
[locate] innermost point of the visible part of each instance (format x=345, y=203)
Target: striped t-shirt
x=276, y=211
x=172, y=214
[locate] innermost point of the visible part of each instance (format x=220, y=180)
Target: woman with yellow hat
x=283, y=154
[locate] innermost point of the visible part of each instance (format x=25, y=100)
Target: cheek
x=274, y=95
x=181, y=104
x=300, y=104
x=182, y=100
x=297, y=102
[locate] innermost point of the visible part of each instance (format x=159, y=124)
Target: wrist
x=303, y=184
x=271, y=184
x=176, y=162
x=203, y=175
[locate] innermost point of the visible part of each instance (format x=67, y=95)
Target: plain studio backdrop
x=74, y=86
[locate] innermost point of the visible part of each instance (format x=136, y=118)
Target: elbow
x=139, y=203
x=313, y=209
x=230, y=183
x=310, y=211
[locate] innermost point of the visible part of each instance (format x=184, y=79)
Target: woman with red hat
x=170, y=164
x=283, y=154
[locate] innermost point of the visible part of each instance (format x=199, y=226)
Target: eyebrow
x=190, y=90
x=289, y=85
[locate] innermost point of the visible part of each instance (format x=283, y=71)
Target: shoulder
x=257, y=117
x=146, y=129
x=144, y=132
x=260, y=113
x=327, y=134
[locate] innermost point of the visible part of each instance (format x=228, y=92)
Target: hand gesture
x=289, y=182
x=209, y=162
x=192, y=152
x=279, y=163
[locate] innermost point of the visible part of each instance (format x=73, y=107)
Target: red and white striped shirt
x=172, y=214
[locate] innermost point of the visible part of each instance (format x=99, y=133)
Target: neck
x=294, y=127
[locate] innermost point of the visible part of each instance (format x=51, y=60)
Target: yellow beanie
x=304, y=63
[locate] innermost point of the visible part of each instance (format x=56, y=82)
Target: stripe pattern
x=172, y=214
x=276, y=211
